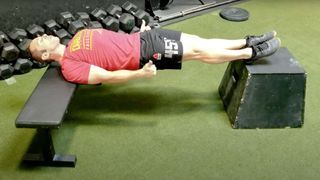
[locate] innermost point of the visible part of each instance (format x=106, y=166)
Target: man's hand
x=144, y=27
x=149, y=70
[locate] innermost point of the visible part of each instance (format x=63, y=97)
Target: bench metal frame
x=41, y=152
x=45, y=110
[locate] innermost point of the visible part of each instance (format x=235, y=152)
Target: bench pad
x=48, y=103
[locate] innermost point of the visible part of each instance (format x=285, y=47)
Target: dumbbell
x=22, y=66
x=109, y=22
x=51, y=27
x=20, y=38
x=9, y=52
x=99, y=15
x=34, y=31
x=66, y=18
x=126, y=21
x=139, y=15
x=84, y=18
x=6, y=71
x=116, y=11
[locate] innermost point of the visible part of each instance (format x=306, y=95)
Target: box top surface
x=282, y=62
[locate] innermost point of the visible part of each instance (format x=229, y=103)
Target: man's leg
x=213, y=50
x=219, y=50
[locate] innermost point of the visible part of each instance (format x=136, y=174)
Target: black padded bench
x=45, y=110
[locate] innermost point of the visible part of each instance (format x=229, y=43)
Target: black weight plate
x=234, y=14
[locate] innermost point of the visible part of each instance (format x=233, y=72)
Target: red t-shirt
x=106, y=49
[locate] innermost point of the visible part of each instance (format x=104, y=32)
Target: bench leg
x=41, y=152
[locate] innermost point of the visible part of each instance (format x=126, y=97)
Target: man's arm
x=99, y=75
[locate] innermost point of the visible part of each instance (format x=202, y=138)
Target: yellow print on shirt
x=75, y=45
x=82, y=40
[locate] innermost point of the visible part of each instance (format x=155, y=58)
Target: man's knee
x=190, y=45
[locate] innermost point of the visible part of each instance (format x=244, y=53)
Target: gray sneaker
x=265, y=49
x=255, y=40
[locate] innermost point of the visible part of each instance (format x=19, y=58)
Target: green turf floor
x=174, y=126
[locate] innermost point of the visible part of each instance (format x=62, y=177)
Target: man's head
x=41, y=48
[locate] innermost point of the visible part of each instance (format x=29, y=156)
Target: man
x=99, y=56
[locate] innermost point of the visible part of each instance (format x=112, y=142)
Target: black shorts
x=161, y=46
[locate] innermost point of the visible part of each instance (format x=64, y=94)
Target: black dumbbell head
x=65, y=41
x=94, y=25
x=38, y=65
x=17, y=35
x=51, y=26
x=111, y=24
x=6, y=71
x=114, y=10
x=23, y=46
x=22, y=66
x=75, y=27
x=98, y=14
x=65, y=18
x=62, y=34
x=35, y=30
x=137, y=13
x=9, y=52
x=129, y=7
x=127, y=22
x=83, y=16
x=141, y=15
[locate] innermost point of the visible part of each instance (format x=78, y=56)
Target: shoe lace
x=262, y=46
